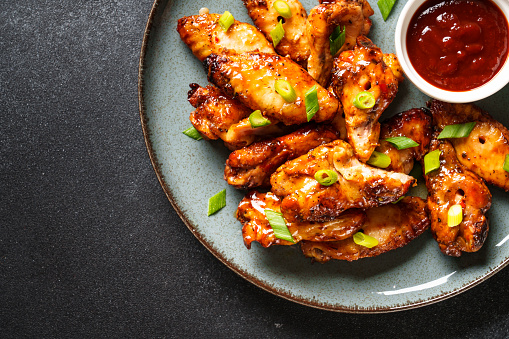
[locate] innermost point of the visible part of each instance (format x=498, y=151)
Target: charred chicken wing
x=252, y=166
x=484, y=150
x=393, y=225
x=203, y=35
x=358, y=185
x=251, y=78
x=256, y=227
x=453, y=184
x=363, y=69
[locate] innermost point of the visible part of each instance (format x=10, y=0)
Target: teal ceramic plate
x=192, y=171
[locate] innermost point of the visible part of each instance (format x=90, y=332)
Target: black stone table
x=90, y=246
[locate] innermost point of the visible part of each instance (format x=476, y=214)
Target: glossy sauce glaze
x=458, y=45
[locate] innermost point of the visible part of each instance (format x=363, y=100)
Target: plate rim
x=242, y=273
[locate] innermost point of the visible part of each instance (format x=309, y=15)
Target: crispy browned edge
x=238, y=270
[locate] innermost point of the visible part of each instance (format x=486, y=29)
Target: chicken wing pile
x=285, y=162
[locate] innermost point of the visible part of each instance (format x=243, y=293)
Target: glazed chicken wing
x=353, y=15
x=363, y=69
x=454, y=184
x=256, y=227
x=484, y=150
x=393, y=225
x=252, y=166
x=358, y=185
x=294, y=44
x=203, y=35
x=251, y=77
x=414, y=124
x=218, y=116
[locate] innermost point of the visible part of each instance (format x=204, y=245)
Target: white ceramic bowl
x=491, y=87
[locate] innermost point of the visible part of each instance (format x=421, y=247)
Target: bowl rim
x=499, y=81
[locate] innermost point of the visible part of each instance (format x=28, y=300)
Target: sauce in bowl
x=457, y=45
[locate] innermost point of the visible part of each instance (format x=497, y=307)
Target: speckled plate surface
x=192, y=171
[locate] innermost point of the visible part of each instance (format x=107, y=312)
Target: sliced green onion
x=432, y=161
x=454, y=215
x=285, y=89
x=311, y=101
x=277, y=33
x=379, y=160
x=226, y=20
x=402, y=142
x=256, y=119
x=216, y=202
x=364, y=240
x=457, y=131
x=399, y=199
x=416, y=171
x=193, y=133
x=283, y=9
x=506, y=163
x=385, y=7
x=278, y=224
x=326, y=177
x=337, y=39
x=364, y=100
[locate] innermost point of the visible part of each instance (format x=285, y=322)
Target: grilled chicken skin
x=256, y=227
x=414, y=124
x=454, y=184
x=353, y=15
x=203, y=35
x=363, y=69
x=358, y=185
x=218, y=116
x=294, y=44
x=484, y=150
x=251, y=77
x=393, y=225
x=252, y=166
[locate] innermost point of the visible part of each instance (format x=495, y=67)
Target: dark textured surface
x=91, y=247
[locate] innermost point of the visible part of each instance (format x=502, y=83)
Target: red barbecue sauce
x=458, y=45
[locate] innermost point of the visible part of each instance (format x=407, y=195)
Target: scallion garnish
x=285, y=89
x=326, y=177
x=506, y=163
x=256, y=119
x=402, y=142
x=226, y=20
x=216, y=202
x=278, y=224
x=432, y=161
x=385, y=7
x=283, y=9
x=364, y=100
x=457, y=131
x=311, y=102
x=337, y=39
x=277, y=33
x=193, y=133
x=399, y=199
x=379, y=160
x=454, y=215
x=364, y=240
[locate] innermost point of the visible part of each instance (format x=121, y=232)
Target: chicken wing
x=250, y=77
x=256, y=227
x=484, y=150
x=203, y=35
x=414, y=124
x=294, y=44
x=252, y=166
x=353, y=15
x=358, y=185
x=393, y=225
x=453, y=184
x=219, y=116
x=363, y=69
